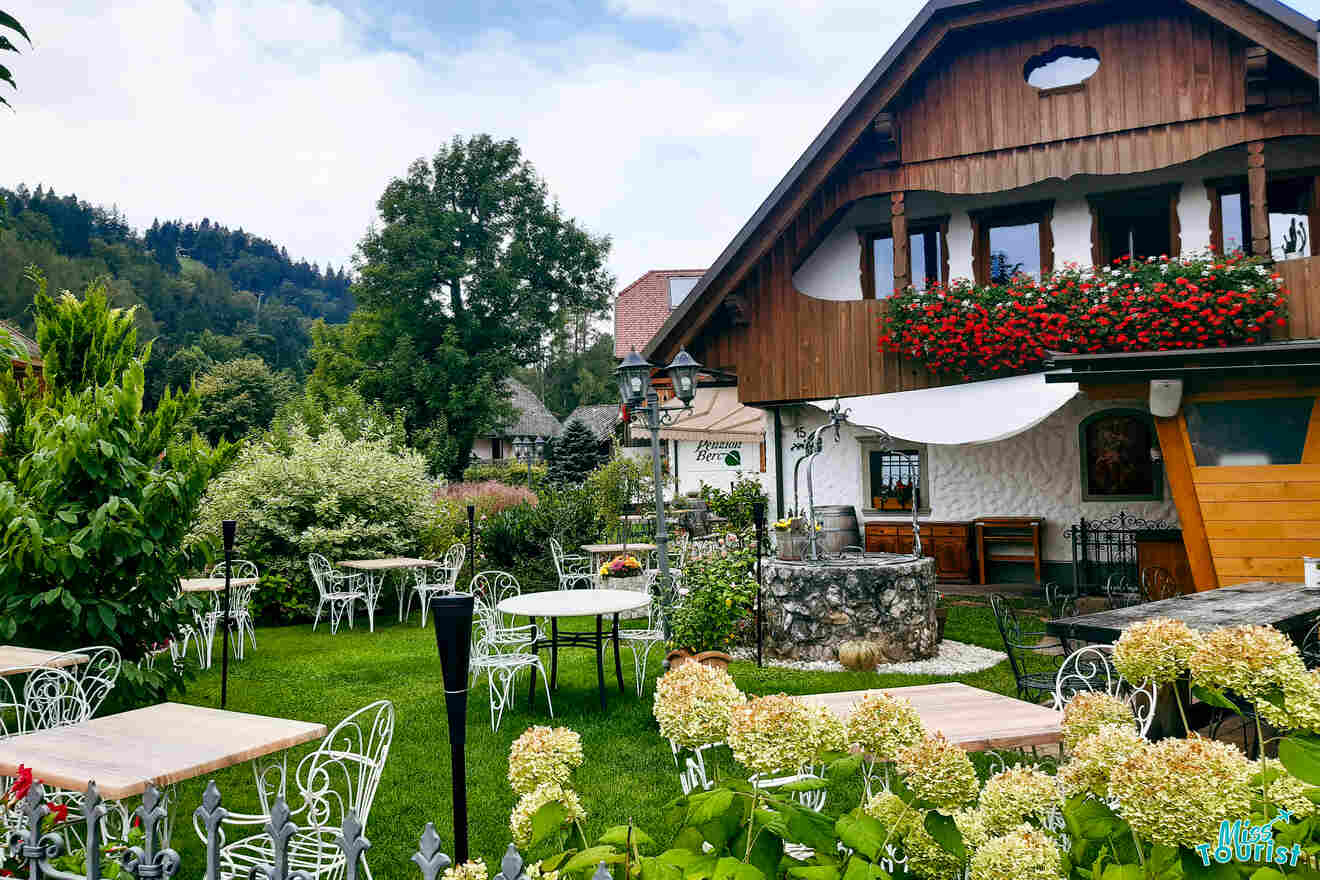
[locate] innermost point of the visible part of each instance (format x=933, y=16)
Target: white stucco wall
x=1194, y=216
x=833, y=271
x=1037, y=473
x=960, y=245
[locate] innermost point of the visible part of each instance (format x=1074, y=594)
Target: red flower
x=59, y=812
x=22, y=783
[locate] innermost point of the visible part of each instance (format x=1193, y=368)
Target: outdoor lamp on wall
x=634, y=376
x=682, y=372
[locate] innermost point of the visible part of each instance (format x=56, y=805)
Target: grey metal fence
x=36, y=850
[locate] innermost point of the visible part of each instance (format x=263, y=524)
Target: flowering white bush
x=520, y=821
x=773, y=734
x=1155, y=650
x=472, y=869
x=1025, y=853
x=1088, y=711
x=1017, y=794
x=882, y=726
x=342, y=499
x=939, y=773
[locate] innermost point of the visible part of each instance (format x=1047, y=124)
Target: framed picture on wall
x=1120, y=457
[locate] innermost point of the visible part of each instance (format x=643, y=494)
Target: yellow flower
x=728, y=603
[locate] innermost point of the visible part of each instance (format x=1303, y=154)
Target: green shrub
x=616, y=486
x=517, y=539
x=511, y=536
x=573, y=455
x=719, y=602
x=735, y=504
x=508, y=471
x=343, y=499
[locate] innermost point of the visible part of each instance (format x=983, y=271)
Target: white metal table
x=577, y=603
x=377, y=569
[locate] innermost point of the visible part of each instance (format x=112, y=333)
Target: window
x=926, y=248
x=1062, y=67
x=1012, y=241
x=893, y=477
x=1294, y=212
x=496, y=449
x=927, y=255
x=1249, y=432
x=1290, y=205
x=679, y=288
x=1134, y=224
x=1120, y=457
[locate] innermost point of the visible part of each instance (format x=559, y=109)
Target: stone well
x=813, y=607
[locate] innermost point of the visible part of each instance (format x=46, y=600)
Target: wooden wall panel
x=1158, y=61
x=1302, y=279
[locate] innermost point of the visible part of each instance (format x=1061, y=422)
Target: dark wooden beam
x=902, y=259
x=1260, y=214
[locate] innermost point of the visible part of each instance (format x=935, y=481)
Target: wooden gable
x=1160, y=62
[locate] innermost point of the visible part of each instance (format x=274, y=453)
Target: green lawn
x=628, y=771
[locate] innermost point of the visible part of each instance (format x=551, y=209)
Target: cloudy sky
x=662, y=123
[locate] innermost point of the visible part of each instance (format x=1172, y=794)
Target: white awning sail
x=976, y=412
x=717, y=415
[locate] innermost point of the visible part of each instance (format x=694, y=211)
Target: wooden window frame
x=868, y=235
x=985, y=219
x=923, y=477
x=1100, y=201
x=1218, y=187
x=1156, y=466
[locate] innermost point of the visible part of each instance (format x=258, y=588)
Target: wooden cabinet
x=949, y=543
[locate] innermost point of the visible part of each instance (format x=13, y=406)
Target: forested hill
x=203, y=285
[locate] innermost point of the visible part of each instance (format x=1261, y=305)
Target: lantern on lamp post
x=642, y=405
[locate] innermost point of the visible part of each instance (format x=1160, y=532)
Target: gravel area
x=954, y=658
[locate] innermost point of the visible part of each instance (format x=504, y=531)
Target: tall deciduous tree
x=473, y=263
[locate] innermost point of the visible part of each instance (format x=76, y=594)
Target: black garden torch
x=758, y=515
x=228, y=528
x=453, y=640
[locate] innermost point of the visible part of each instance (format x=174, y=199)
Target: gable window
x=1119, y=457
x=1293, y=204
x=1010, y=241
x=927, y=254
x=1134, y=224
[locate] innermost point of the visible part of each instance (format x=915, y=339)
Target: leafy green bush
x=510, y=536
x=721, y=592
x=238, y=398
x=509, y=471
x=343, y=499
x=517, y=539
x=735, y=505
x=616, y=486
x=97, y=496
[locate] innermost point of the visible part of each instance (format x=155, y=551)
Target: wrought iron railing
x=1105, y=550
x=36, y=849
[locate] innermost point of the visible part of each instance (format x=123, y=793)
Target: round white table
x=555, y=604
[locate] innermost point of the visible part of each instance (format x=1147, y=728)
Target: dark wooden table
x=1287, y=607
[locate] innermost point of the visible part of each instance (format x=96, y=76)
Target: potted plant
x=623, y=573
x=721, y=591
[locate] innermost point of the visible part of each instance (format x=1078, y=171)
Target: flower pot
x=717, y=659
x=790, y=546
x=636, y=583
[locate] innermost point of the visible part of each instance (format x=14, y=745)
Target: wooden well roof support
x=1266, y=23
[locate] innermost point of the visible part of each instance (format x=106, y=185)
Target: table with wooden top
x=969, y=717
x=15, y=660
x=213, y=584
x=158, y=745
x=1288, y=607
x=377, y=569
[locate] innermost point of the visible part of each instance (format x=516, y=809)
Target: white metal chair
x=96, y=676
x=574, y=571
x=337, y=589
x=48, y=697
x=432, y=580
x=1090, y=669
x=240, y=602
x=340, y=777
x=501, y=664
x=641, y=642
x=489, y=589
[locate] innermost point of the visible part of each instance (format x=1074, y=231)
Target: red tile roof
x=642, y=307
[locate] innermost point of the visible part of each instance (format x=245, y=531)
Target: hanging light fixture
x=634, y=376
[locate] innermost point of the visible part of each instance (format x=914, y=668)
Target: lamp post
x=526, y=443
x=642, y=404
x=452, y=614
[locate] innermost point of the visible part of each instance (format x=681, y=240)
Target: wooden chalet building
x=1023, y=135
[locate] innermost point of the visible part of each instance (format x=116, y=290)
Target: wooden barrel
x=838, y=528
